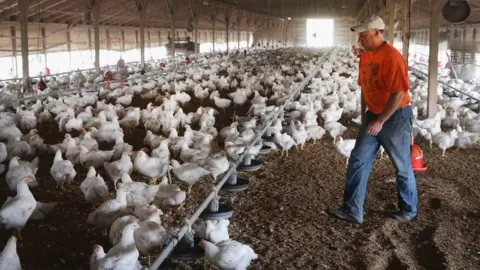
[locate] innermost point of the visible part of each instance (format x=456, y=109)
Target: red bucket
x=416, y=157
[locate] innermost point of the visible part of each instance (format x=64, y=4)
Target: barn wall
x=461, y=42
x=82, y=54
x=342, y=33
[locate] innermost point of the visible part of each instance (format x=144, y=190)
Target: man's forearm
x=363, y=106
x=392, y=105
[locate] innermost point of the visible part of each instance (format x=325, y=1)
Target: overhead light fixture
x=289, y=18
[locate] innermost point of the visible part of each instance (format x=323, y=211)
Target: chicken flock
x=182, y=149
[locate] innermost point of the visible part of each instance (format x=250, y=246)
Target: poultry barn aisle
x=193, y=120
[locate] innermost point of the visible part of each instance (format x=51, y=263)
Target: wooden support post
x=391, y=21
x=69, y=46
x=23, y=8
x=123, y=41
x=407, y=8
x=213, y=17
x=44, y=44
x=239, y=21
x=96, y=32
x=159, y=38
x=141, y=8
x=195, y=25
x=196, y=38
x=13, y=33
x=149, y=44
x=90, y=42
x=172, y=6
x=228, y=12
x=136, y=39
x=433, y=57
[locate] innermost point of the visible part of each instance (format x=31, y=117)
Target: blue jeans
x=395, y=138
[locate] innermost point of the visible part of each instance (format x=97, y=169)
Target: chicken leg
x=153, y=181
x=189, y=189
x=431, y=144
x=381, y=155
x=443, y=152
x=18, y=234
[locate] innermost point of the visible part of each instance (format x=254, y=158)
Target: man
x=383, y=76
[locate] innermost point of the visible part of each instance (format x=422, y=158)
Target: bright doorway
x=319, y=32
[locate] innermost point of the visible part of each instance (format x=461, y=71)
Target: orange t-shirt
x=381, y=73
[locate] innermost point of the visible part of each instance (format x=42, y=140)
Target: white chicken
x=222, y=103
x=62, y=170
x=284, y=141
x=125, y=254
x=344, y=147
x=216, y=164
x=110, y=210
x=151, y=234
x=16, y=211
x=335, y=129
x=188, y=173
x=9, y=259
x=299, y=134
x=444, y=140
x=95, y=158
x=228, y=254
x=116, y=168
x=18, y=172
x=150, y=167
x=94, y=188
x=169, y=194
x=212, y=230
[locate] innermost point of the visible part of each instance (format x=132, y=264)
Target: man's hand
x=374, y=128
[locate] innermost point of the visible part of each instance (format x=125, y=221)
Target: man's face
x=367, y=39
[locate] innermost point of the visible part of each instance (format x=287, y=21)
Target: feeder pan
x=265, y=150
x=253, y=165
x=185, y=252
x=268, y=138
x=235, y=183
x=225, y=211
x=416, y=155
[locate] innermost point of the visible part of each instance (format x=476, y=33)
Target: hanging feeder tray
x=265, y=150
x=255, y=165
x=185, y=252
x=235, y=183
x=270, y=138
x=225, y=211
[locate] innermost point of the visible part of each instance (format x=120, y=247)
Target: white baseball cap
x=373, y=22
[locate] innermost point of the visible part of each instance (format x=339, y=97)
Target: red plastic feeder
x=416, y=157
x=46, y=71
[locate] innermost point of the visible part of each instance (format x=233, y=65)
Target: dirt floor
x=283, y=214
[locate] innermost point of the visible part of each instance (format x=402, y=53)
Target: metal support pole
x=433, y=58
x=44, y=44
x=171, y=11
x=227, y=25
x=391, y=21
x=13, y=33
x=407, y=8
x=90, y=42
x=141, y=8
x=23, y=8
x=123, y=41
x=69, y=46
x=213, y=28
x=149, y=43
x=96, y=33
